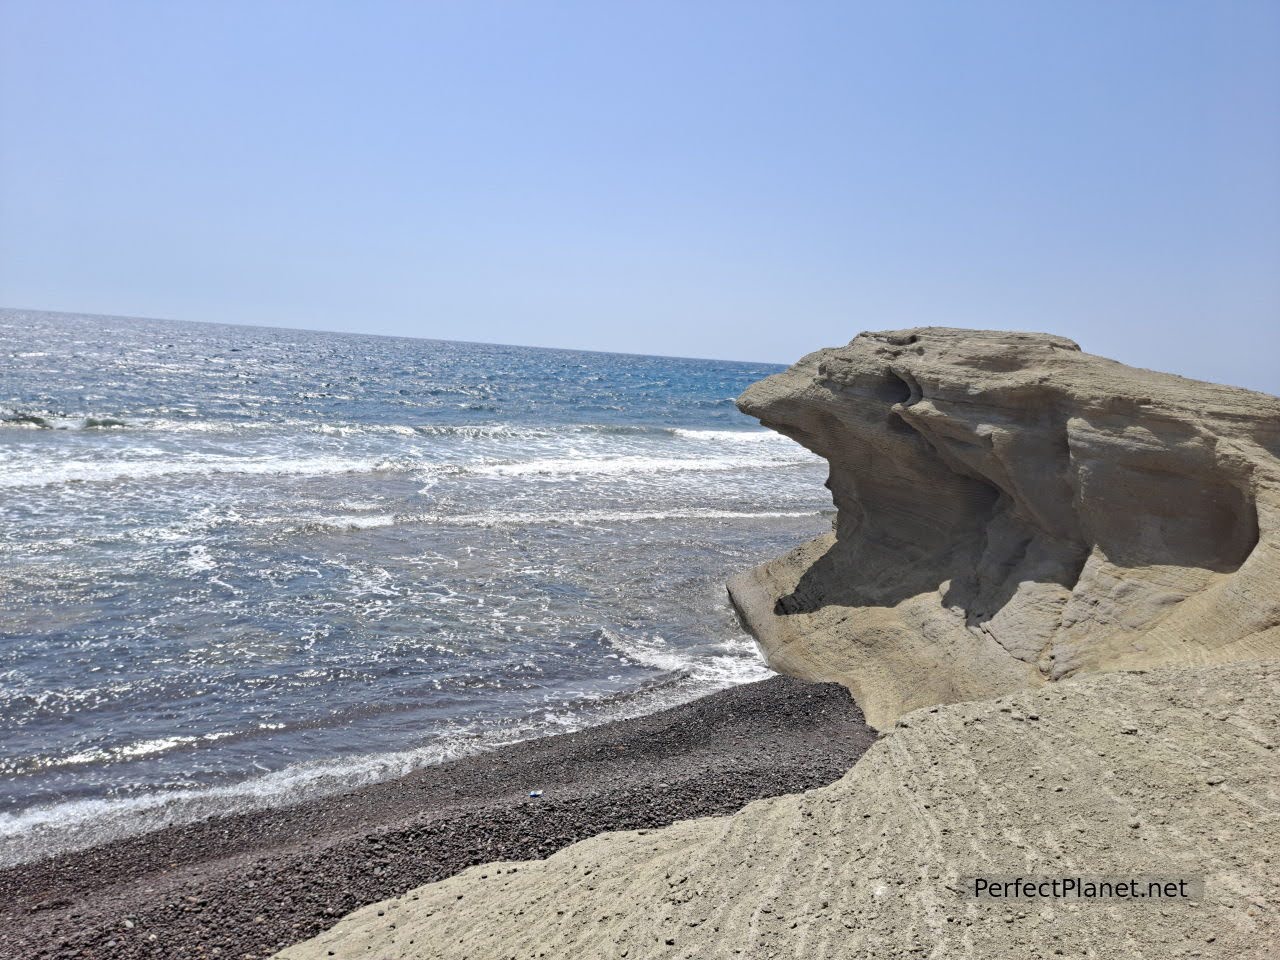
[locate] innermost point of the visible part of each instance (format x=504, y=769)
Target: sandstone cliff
x=1012, y=511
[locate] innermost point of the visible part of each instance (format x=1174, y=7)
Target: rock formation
x=1012, y=511
x=1172, y=774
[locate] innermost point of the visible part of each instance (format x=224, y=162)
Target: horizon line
x=391, y=336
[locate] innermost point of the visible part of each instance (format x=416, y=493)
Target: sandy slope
x=1174, y=772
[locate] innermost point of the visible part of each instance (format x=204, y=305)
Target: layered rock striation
x=1011, y=511
x=1168, y=775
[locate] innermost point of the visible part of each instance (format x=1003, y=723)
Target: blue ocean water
x=239, y=566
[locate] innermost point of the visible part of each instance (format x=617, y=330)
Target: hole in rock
x=893, y=389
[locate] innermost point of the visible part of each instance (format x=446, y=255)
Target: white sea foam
x=30, y=473
x=499, y=430
x=628, y=465
x=488, y=430
x=103, y=471
x=351, y=523
x=347, y=430
x=733, y=436
x=43, y=831
x=131, y=751
x=572, y=517
x=529, y=518
x=647, y=651
x=56, y=828
x=199, y=558
x=167, y=425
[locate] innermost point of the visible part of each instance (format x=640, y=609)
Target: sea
x=244, y=566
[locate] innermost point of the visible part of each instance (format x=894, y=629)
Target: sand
x=1171, y=774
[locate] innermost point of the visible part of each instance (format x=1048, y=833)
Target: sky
x=740, y=180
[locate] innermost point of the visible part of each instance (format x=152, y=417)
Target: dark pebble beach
x=245, y=886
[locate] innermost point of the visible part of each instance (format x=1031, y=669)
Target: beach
x=262, y=584
x=653, y=481
x=247, y=885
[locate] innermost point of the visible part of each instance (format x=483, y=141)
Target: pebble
x=788, y=735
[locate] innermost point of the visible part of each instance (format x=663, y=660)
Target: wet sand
x=245, y=886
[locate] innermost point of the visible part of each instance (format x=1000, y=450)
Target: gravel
x=244, y=886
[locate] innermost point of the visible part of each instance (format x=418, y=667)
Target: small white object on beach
x=535, y=793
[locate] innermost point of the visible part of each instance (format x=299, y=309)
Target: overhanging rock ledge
x=1012, y=511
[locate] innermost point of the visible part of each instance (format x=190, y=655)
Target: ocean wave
x=341, y=430
x=26, y=421
x=575, y=517
x=630, y=465
x=354, y=523
x=172, y=425
x=646, y=651
x=121, y=753
x=349, y=523
x=522, y=431
x=21, y=474
x=61, y=827
x=497, y=430
x=104, y=471
x=732, y=436
x=50, y=420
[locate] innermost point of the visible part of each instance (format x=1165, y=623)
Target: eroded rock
x=1012, y=511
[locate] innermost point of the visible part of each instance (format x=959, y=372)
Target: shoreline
x=55, y=832
x=248, y=884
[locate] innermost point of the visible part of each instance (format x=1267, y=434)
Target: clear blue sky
x=741, y=180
